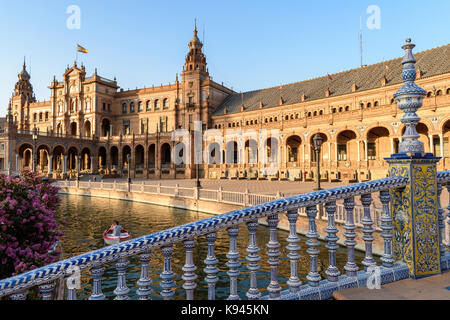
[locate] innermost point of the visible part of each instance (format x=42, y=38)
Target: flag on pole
x=81, y=49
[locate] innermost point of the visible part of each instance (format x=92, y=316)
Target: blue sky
x=249, y=44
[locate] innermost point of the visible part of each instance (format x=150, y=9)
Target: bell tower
x=22, y=97
x=193, y=100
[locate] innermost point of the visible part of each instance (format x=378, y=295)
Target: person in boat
x=116, y=229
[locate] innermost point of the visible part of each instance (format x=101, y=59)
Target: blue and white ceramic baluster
x=19, y=295
x=253, y=258
x=386, y=226
x=366, y=200
x=167, y=275
x=273, y=253
x=211, y=269
x=351, y=268
x=332, y=271
x=312, y=243
x=189, y=276
x=122, y=290
x=441, y=217
x=448, y=208
x=46, y=290
x=97, y=275
x=294, y=282
x=144, y=283
x=233, y=262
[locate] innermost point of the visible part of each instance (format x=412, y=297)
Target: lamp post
x=128, y=162
x=78, y=167
x=317, y=140
x=34, y=137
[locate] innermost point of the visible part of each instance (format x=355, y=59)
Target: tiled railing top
x=443, y=177
x=191, y=230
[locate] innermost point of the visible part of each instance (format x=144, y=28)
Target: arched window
x=166, y=104
x=34, y=117
x=340, y=109
x=148, y=105
x=375, y=104
x=448, y=91
x=286, y=117
x=369, y=105
x=315, y=113
x=156, y=104
x=439, y=93
x=347, y=108
x=124, y=108
x=429, y=94
x=132, y=107
x=140, y=106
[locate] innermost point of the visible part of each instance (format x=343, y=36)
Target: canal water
x=88, y=217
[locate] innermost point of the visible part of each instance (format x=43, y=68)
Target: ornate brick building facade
x=92, y=124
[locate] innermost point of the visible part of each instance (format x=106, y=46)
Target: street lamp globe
x=317, y=140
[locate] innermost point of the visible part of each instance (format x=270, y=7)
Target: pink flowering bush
x=28, y=229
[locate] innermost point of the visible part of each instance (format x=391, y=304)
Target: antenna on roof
x=360, y=41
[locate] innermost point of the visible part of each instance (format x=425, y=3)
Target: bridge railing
x=45, y=277
x=315, y=288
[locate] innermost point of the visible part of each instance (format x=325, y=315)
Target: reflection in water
x=87, y=218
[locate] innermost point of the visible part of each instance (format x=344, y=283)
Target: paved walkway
x=430, y=288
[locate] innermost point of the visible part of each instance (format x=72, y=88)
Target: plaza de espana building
x=91, y=125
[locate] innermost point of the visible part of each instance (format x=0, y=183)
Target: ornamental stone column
x=414, y=207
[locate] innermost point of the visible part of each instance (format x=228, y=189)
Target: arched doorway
x=347, y=146
x=86, y=159
x=58, y=159
x=231, y=153
x=293, y=144
x=151, y=156
x=126, y=151
x=102, y=158
x=165, y=155
x=42, y=158
x=25, y=157
x=139, y=157
x=114, y=157
x=72, y=158
x=251, y=151
x=214, y=153
x=378, y=144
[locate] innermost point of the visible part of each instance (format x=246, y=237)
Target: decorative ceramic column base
x=415, y=214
